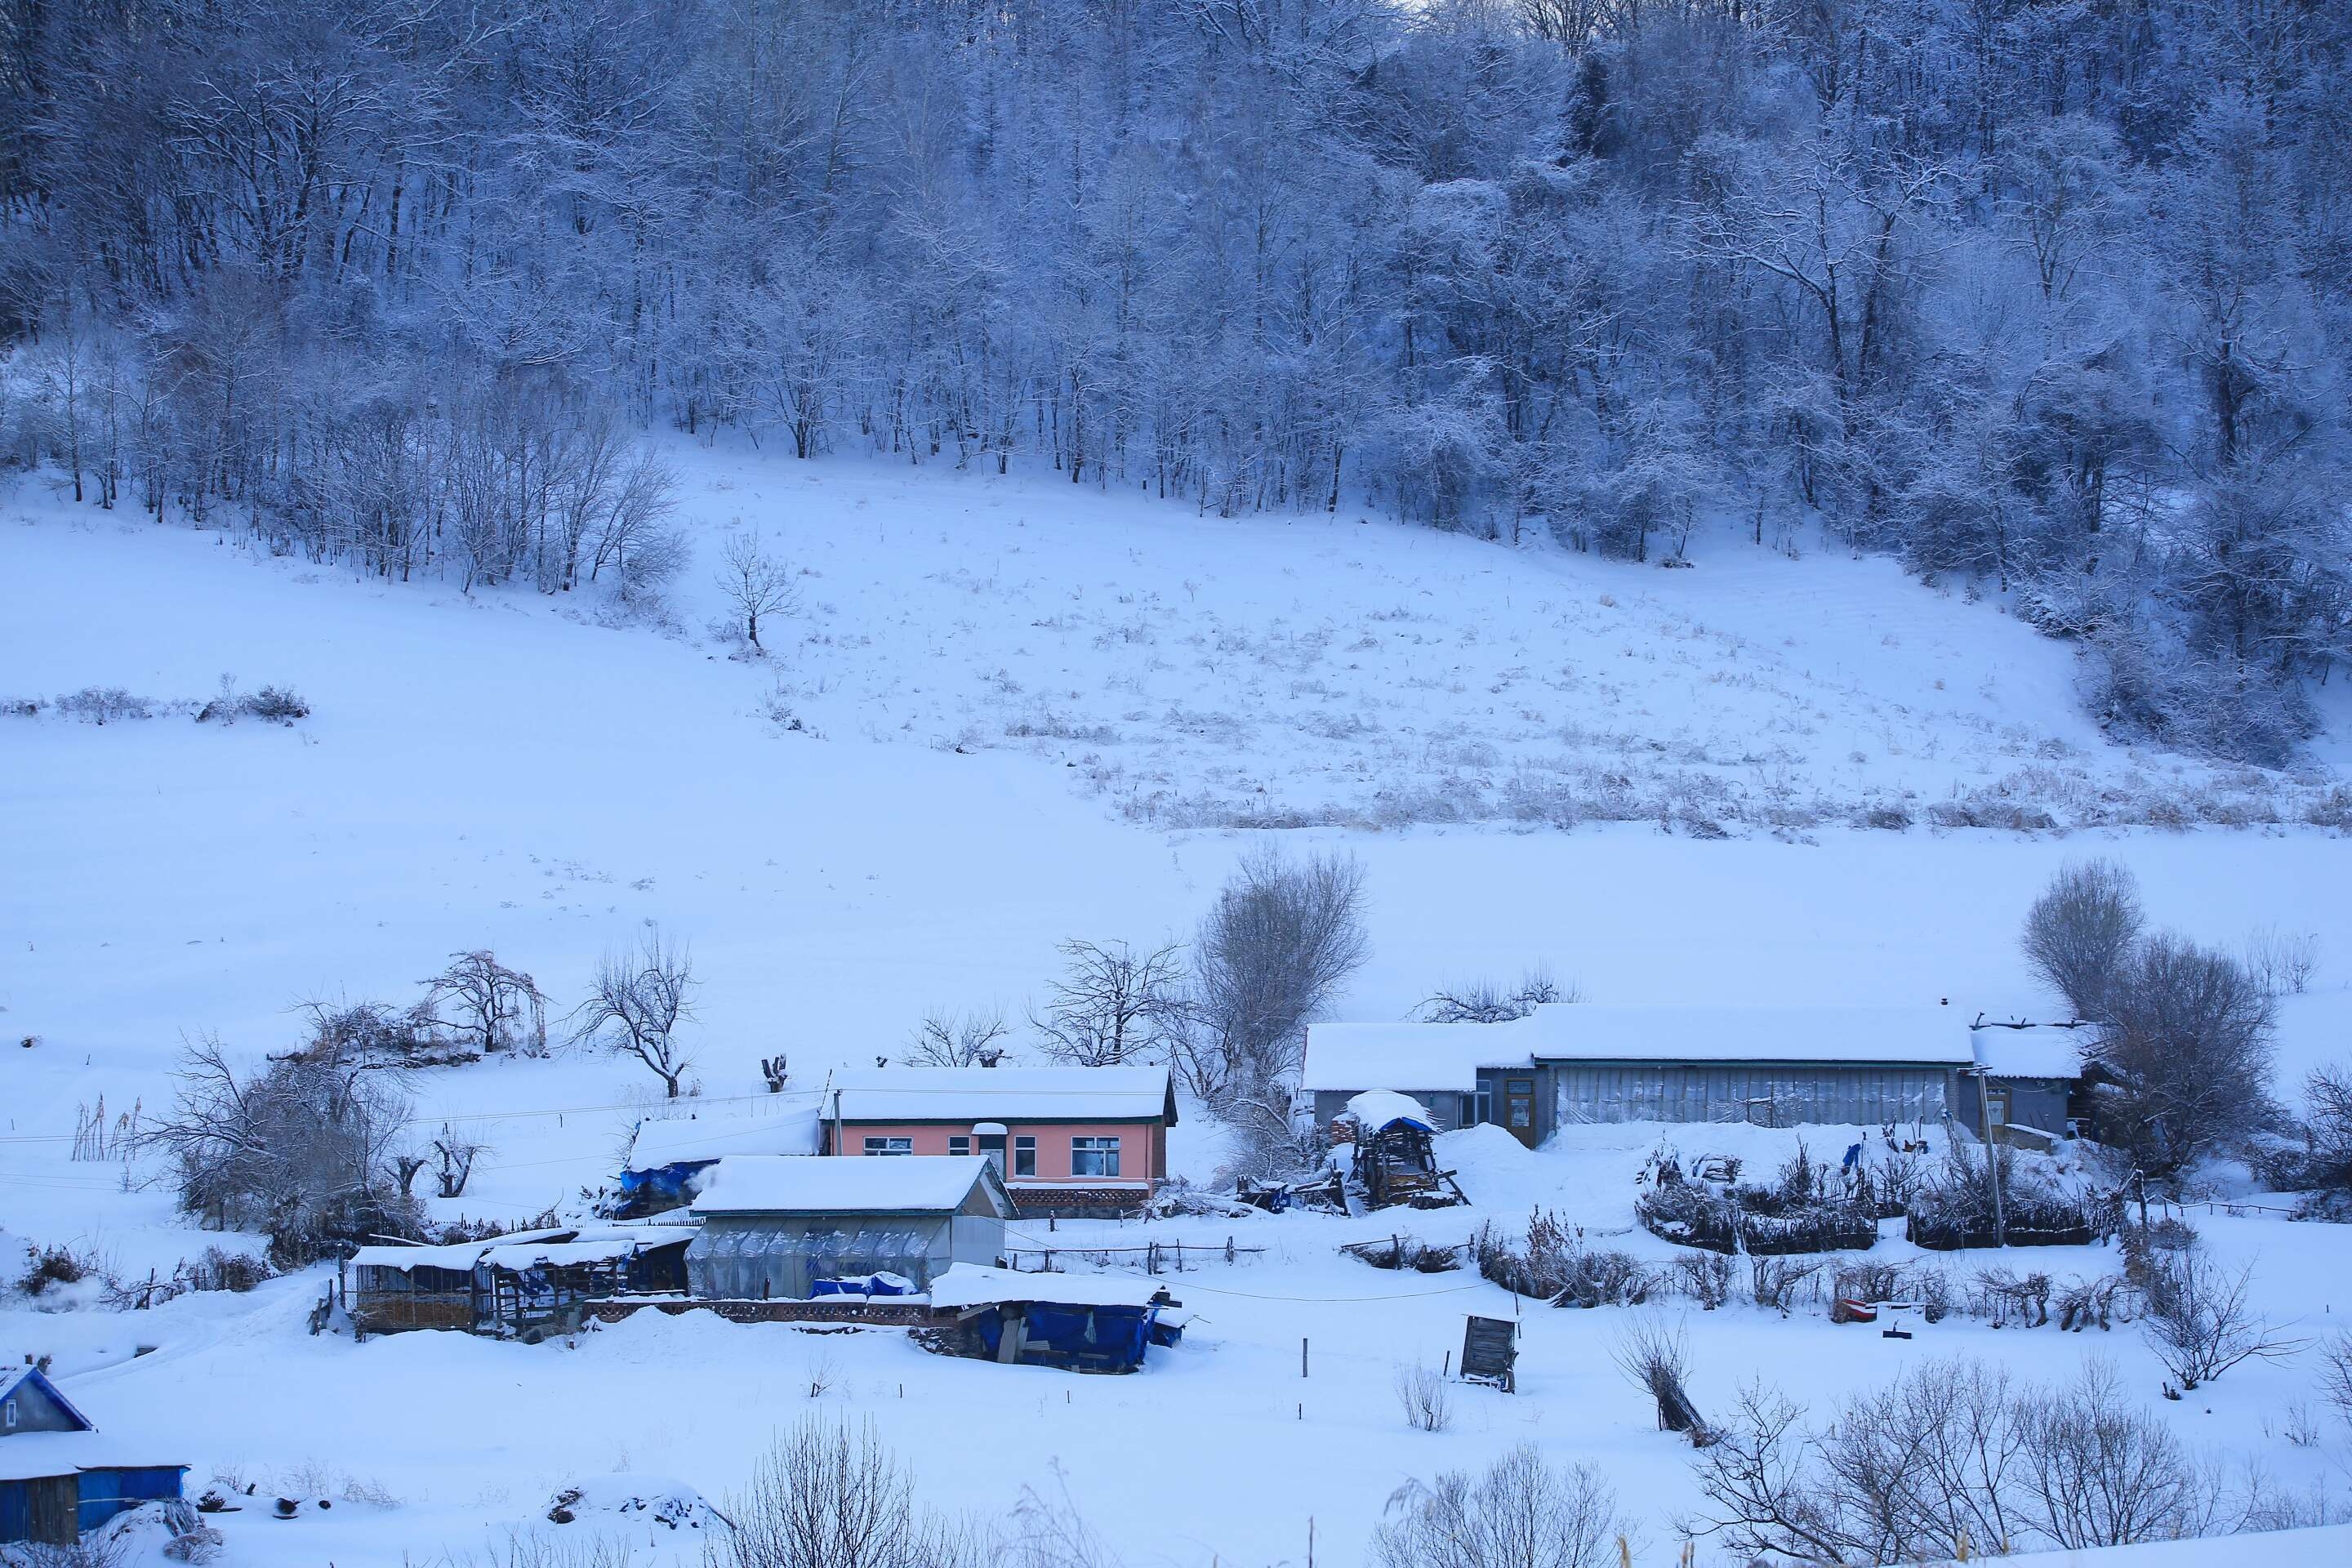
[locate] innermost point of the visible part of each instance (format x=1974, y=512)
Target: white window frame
x=1024, y=1154
x=889, y=1146
x=1101, y=1150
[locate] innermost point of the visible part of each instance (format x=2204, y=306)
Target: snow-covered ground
x=1033, y=711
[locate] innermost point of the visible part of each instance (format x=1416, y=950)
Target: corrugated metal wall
x=1766, y=1094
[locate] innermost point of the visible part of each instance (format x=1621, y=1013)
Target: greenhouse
x=779, y=1227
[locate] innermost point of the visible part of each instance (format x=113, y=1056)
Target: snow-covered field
x=1029, y=714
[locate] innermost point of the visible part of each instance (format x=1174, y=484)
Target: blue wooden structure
x=58, y=1479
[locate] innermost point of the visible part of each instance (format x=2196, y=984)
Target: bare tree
x=300, y=1147
x=957, y=1040
x=828, y=1495
x=635, y=1002
x=1489, y=1001
x=756, y=584
x=454, y=1158
x=2283, y=961
x=1420, y=1390
x=1521, y=1513
x=1950, y=1460
x=2336, y=1374
x=1113, y=1004
x=2098, y=1472
x=1271, y=951
x=2200, y=1324
x=2081, y=932
x=2188, y=1037
x=486, y=1005
x=1655, y=1356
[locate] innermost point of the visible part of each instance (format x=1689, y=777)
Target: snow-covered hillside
x=1025, y=714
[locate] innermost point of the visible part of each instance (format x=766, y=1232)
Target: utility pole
x=1992, y=1156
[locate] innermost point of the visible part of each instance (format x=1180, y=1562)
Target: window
x=1093, y=1156
x=1025, y=1156
x=11, y=1408
x=889, y=1145
x=960, y=1145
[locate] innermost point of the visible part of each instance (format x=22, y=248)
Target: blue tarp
x=107, y=1492
x=661, y=1187
x=864, y=1285
x=1080, y=1339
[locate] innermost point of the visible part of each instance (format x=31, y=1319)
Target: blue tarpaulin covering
x=883, y=1284
x=1081, y=1339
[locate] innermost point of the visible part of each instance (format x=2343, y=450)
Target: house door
x=1519, y=1108
x=992, y=1145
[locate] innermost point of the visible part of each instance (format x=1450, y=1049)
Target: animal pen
x=526, y=1286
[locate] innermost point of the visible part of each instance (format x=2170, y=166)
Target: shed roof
x=31, y=1455
x=1376, y=1108
x=1352, y=1057
x=1004, y=1094
x=972, y=1285
x=583, y=1244
x=789, y=1129
x=2032, y=1050
x=1449, y=1055
x=910, y=1183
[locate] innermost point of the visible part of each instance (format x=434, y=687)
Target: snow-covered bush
x=2201, y=1321
x=1898, y=1473
x=299, y=1148
x=827, y=1495
x=1422, y=1391
x=1553, y=1264
x=1520, y=1513
x=1954, y=1207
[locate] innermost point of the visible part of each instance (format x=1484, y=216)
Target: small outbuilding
x=2027, y=1088
x=774, y=1226
x=60, y=1478
x=1079, y=1322
x=526, y=1285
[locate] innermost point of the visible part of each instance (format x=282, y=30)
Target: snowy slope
x=507, y=773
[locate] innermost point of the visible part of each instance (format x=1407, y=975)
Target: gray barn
x=775, y=1225
x=1575, y=1062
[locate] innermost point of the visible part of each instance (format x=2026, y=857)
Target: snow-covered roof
x=27, y=1455
x=784, y=1184
x=585, y=1243
x=458, y=1255
x=15, y=1377
x=1409, y=1056
x=1670, y=1032
x=1378, y=1108
x=789, y=1129
x=2031, y=1051
x=971, y=1285
x=1002, y=1094
x=1448, y=1055
x=601, y=1246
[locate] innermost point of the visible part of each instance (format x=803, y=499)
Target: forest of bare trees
x=2046, y=297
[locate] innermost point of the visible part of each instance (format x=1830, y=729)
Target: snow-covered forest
x=2051, y=297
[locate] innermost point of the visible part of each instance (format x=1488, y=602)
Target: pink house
x=1069, y=1140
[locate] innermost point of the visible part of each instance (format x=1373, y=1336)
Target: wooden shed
x=524, y=1286
x=60, y=1478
